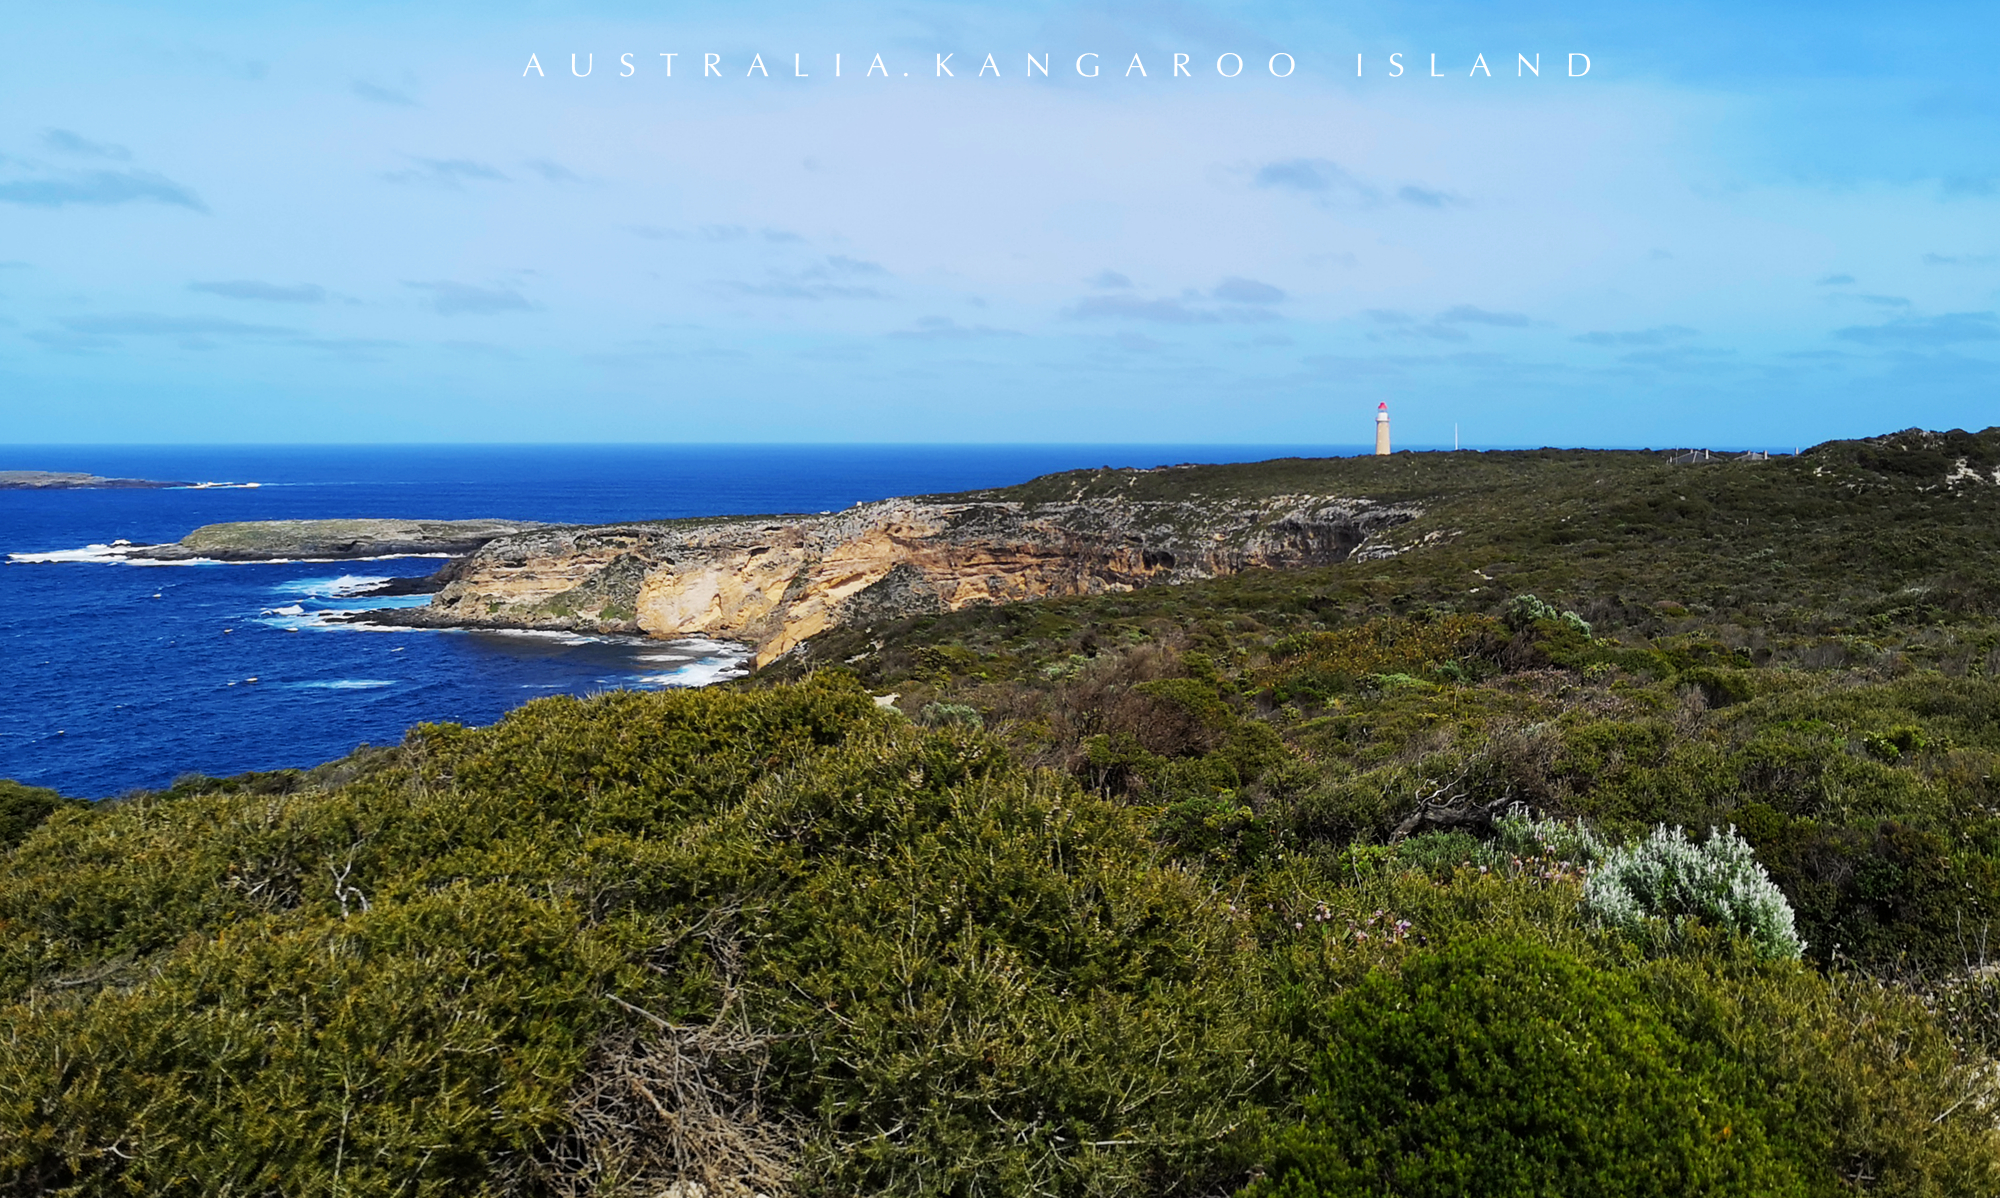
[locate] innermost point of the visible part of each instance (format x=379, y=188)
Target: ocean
x=119, y=677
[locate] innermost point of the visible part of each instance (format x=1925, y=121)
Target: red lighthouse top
x=1382, y=407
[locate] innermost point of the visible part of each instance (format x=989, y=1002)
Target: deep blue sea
x=115, y=676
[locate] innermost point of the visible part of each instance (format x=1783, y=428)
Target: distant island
x=56, y=480
x=319, y=540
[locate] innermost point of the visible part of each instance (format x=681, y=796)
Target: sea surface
x=116, y=676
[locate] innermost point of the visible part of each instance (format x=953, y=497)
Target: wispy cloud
x=1467, y=314
x=274, y=293
x=456, y=299
x=1425, y=197
x=1682, y=359
x=451, y=173
x=1247, y=291
x=834, y=277
x=1318, y=177
x=355, y=348
x=65, y=142
x=1445, y=326
x=146, y=324
x=1162, y=311
x=1109, y=280
x=1835, y=281
x=1954, y=328
x=944, y=328
x=1659, y=335
x=1884, y=301
x=98, y=188
x=1333, y=185
x=1961, y=259
x=552, y=171
x=375, y=93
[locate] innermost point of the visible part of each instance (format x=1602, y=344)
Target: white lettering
x=670, y=62
x=798, y=71
x=943, y=70
x=1434, y=67
x=1089, y=74
x=1229, y=74
x=1180, y=66
x=629, y=70
x=1535, y=66
x=1291, y=64
x=836, y=66
x=1357, y=66
x=877, y=66
x=757, y=64
x=1478, y=65
x=1044, y=65
x=1136, y=66
x=589, y=65
x=990, y=66
x=1573, y=72
x=711, y=64
x=535, y=65
x=1395, y=65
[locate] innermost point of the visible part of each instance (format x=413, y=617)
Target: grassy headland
x=1286, y=883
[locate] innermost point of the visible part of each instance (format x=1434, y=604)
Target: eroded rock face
x=774, y=582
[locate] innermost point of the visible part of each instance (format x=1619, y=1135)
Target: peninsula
x=775, y=582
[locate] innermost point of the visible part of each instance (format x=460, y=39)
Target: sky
x=1745, y=225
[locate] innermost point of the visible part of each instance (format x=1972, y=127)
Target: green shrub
x=1670, y=879
x=1719, y=687
x=23, y=808
x=1500, y=1068
x=1523, y=612
x=938, y=715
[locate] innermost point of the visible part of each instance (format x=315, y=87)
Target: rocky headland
x=774, y=582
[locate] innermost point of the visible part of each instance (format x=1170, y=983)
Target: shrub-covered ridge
x=783, y=941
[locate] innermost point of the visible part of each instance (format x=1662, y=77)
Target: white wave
x=133, y=555
x=550, y=634
x=697, y=673
x=331, y=588
x=289, y=610
x=343, y=684
x=117, y=553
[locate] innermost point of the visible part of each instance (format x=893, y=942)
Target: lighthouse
x=1382, y=429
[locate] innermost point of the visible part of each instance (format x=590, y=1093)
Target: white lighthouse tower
x=1382, y=429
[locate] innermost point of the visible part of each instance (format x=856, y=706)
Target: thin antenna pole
x=1454, y=438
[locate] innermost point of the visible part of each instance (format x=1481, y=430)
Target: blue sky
x=1758, y=225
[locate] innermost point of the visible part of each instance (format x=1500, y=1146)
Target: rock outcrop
x=774, y=582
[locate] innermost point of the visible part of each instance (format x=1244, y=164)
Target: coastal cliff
x=774, y=582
